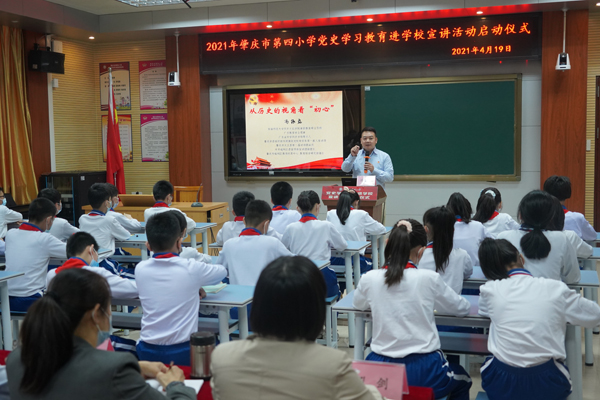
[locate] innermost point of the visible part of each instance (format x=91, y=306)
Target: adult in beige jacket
x=282, y=361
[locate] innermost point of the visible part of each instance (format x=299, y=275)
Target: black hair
x=460, y=206
x=1, y=189
x=559, y=187
x=51, y=194
x=98, y=194
x=398, y=248
x=307, y=200
x=161, y=190
x=368, y=129
x=49, y=325
x=495, y=255
x=344, y=203
x=78, y=241
x=535, y=210
x=112, y=190
x=558, y=220
x=487, y=203
x=289, y=300
x=40, y=209
x=163, y=231
x=440, y=220
x=180, y=219
x=256, y=212
x=281, y=193
x=240, y=201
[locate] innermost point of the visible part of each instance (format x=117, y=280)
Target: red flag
x=115, y=173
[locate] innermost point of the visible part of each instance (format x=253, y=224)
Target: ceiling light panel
x=147, y=3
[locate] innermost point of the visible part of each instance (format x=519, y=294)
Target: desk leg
x=205, y=242
x=224, y=325
x=193, y=240
x=349, y=288
x=375, y=251
x=359, y=344
x=243, y=322
x=381, y=251
x=573, y=347
x=589, y=344
x=144, y=252
x=356, y=258
x=6, y=328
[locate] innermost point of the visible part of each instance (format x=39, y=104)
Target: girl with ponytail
x=58, y=358
x=547, y=253
x=488, y=212
x=314, y=239
x=354, y=225
x=402, y=297
x=454, y=265
x=527, y=333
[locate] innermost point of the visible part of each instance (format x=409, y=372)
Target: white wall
x=405, y=199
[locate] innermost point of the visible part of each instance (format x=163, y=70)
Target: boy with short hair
x=126, y=220
x=232, y=229
x=169, y=288
x=82, y=252
x=163, y=195
x=281, y=197
x=104, y=228
x=7, y=216
x=247, y=255
x=560, y=187
x=29, y=250
x=61, y=228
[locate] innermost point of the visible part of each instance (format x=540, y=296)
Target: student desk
x=378, y=247
x=5, y=276
x=473, y=319
x=137, y=241
x=201, y=227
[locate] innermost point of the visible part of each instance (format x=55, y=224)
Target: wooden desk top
x=183, y=206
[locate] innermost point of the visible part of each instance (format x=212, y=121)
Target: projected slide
x=302, y=130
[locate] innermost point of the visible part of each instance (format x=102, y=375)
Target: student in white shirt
x=126, y=220
x=548, y=254
x=454, y=265
x=527, y=334
x=82, y=251
x=61, y=228
x=104, y=228
x=582, y=249
x=29, y=250
x=314, y=239
x=7, y=216
x=281, y=197
x=402, y=298
x=163, y=195
x=232, y=229
x=467, y=233
x=489, y=207
x=354, y=225
x=170, y=292
x=560, y=187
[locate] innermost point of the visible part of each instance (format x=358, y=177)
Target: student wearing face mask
x=7, y=216
x=61, y=228
x=126, y=220
x=163, y=195
x=82, y=251
x=58, y=358
x=29, y=250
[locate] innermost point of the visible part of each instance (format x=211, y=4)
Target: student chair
x=188, y=193
x=331, y=337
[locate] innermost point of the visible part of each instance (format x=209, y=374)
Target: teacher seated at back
x=58, y=358
x=369, y=160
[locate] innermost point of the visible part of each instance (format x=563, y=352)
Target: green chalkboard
x=448, y=130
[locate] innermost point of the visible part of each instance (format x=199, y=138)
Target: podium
x=372, y=198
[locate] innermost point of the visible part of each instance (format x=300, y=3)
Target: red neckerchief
x=458, y=218
x=26, y=226
x=165, y=255
x=280, y=208
x=494, y=215
x=160, y=204
x=239, y=218
x=307, y=217
x=565, y=209
x=73, y=262
x=430, y=245
x=96, y=213
x=250, y=232
x=519, y=271
x=409, y=265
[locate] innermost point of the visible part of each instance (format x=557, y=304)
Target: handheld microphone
x=367, y=156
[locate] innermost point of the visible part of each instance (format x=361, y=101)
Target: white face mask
x=4, y=201
x=115, y=205
x=59, y=209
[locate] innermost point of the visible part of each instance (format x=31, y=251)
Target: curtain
x=16, y=167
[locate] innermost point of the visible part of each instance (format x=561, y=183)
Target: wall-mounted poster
x=121, y=85
x=155, y=138
x=153, y=85
x=125, y=132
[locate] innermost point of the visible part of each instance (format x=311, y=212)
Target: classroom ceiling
x=104, y=7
